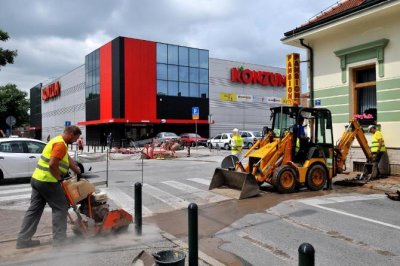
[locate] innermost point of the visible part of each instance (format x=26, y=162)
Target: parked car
x=192, y=139
x=222, y=140
x=250, y=137
x=167, y=136
x=19, y=157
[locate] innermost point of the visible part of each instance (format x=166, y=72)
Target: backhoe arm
x=354, y=130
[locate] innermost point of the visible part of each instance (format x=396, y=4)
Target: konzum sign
x=51, y=91
x=264, y=78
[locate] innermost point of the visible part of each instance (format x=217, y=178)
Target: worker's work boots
x=27, y=244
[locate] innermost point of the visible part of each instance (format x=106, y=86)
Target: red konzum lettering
x=264, y=78
x=51, y=91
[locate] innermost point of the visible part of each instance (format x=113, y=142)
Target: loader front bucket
x=238, y=185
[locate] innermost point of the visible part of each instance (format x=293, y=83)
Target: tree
x=13, y=102
x=6, y=56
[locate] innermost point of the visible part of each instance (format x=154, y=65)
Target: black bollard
x=193, y=235
x=188, y=155
x=306, y=255
x=138, y=208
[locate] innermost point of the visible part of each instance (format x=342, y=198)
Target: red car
x=193, y=138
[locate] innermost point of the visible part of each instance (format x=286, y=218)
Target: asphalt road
x=346, y=226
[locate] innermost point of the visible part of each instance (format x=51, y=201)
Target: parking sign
x=195, y=113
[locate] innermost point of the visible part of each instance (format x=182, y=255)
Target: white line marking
x=124, y=201
x=209, y=196
x=16, y=197
x=316, y=203
x=171, y=200
x=200, y=181
x=11, y=191
x=341, y=199
x=15, y=186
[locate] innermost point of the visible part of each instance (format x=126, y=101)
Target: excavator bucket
x=238, y=185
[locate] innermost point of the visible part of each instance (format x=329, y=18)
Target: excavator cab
x=283, y=158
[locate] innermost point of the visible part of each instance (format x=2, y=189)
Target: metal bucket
x=170, y=257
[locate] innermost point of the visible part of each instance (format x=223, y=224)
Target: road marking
x=11, y=191
x=15, y=186
x=171, y=200
x=200, y=181
x=124, y=201
x=317, y=203
x=209, y=196
x=16, y=197
x=341, y=199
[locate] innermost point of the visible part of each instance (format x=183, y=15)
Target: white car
x=19, y=157
x=222, y=140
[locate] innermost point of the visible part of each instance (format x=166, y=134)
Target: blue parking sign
x=195, y=112
x=67, y=123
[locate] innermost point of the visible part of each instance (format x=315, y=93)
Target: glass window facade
x=182, y=71
x=92, y=78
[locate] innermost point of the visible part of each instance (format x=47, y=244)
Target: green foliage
x=6, y=56
x=13, y=102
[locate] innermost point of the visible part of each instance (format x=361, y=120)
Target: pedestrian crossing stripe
x=169, y=199
x=200, y=181
x=12, y=191
x=202, y=194
x=124, y=201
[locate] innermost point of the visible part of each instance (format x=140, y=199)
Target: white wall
x=69, y=106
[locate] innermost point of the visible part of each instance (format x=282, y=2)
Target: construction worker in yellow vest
x=378, y=148
x=52, y=166
x=236, y=143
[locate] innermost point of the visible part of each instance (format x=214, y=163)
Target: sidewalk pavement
x=117, y=249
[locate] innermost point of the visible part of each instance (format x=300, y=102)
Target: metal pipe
x=311, y=71
x=138, y=208
x=193, y=234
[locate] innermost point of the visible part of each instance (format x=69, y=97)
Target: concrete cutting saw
x=92, y=210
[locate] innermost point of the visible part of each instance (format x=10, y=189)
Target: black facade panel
x=118, y=84
x=92, y=109
x=177, y=107
x=36, y=106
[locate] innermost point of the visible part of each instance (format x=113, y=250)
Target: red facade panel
x=105, y=82
x=140, y=80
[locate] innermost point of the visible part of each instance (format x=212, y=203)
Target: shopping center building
x=136, y=88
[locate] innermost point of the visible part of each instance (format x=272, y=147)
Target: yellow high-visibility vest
x=375, y=143
x=42, y=171
x=237, y=143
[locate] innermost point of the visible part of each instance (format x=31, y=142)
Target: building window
x=182, y=71
x=364, y=91
x=92, y=75
x=162, y=53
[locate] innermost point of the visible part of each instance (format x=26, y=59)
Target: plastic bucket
x=170, y=257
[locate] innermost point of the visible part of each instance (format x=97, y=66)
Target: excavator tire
x=316, y=177
x=284, y=179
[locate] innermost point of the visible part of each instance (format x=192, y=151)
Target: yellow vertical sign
x=293, y=78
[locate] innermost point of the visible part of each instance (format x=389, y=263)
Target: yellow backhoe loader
x=286, y=161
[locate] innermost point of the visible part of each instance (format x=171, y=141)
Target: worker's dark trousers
x=53, y=194
x=375, y=166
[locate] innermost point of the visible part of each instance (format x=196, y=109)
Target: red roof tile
x=336, y=9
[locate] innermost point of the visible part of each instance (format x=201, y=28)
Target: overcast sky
x=53, y=36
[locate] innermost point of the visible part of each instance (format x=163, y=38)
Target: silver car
x=250, y=137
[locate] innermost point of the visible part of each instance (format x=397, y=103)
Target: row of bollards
x=306, y=250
